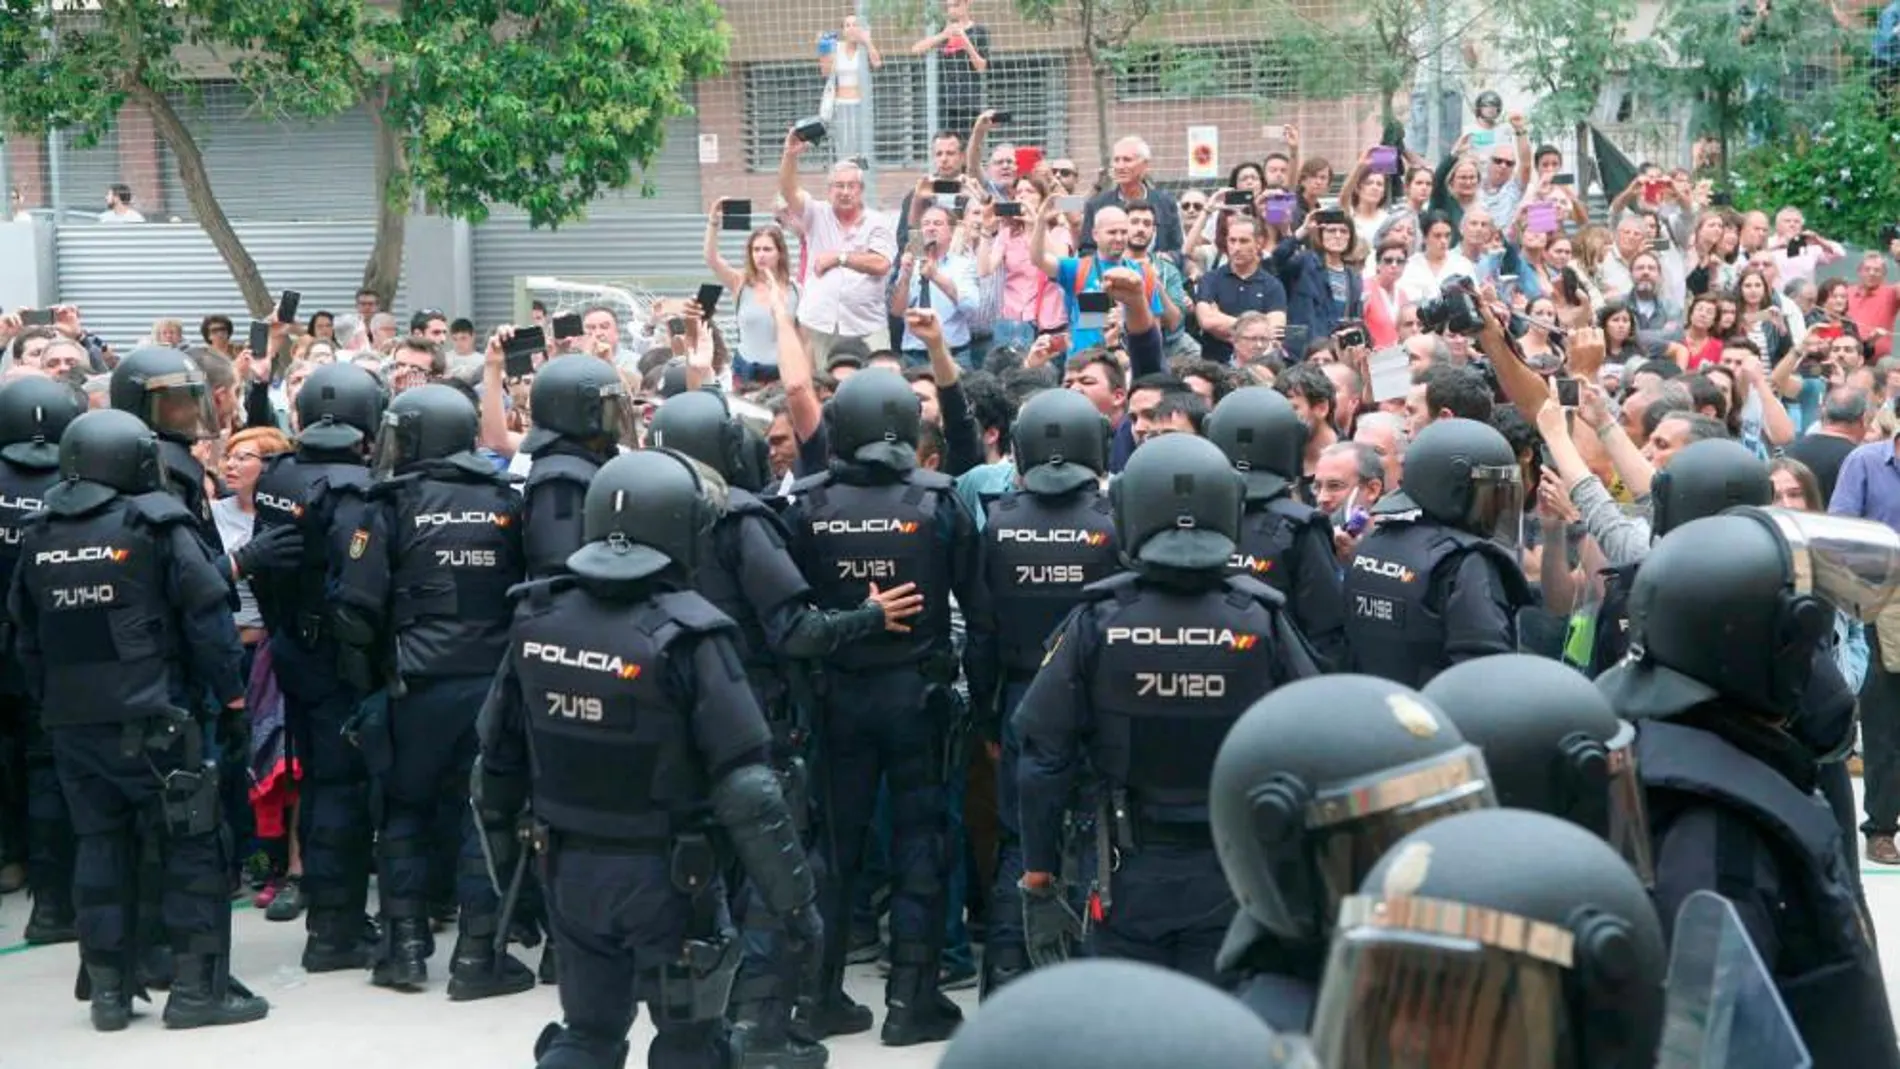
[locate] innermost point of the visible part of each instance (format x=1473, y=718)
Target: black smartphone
x=736, y=215
x=1720, y=199
x=1294, y=341
x=676, y=326
x=1796, y=244
x=946, y=187
x=1569, y=391
x=999, y=118
x=1350, y=335
x=1009, y=209
x=287, y=306
x=708, y=299
x=1236, y=198
x=810, y=131
x=36, y=317
x=1563, y=179
x=260, y=338
x=1093, y=309
x=518, y=351
x=567, y=325
x=1658, y=244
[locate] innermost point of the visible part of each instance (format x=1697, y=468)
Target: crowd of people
x=1309, y=467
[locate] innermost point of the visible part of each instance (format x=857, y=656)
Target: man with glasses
x=848, y=251
x=1507, y=171
x=1254, y=335
x=1066, y=174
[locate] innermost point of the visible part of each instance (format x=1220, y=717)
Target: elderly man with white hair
x=849, y=250
x=1128, y=166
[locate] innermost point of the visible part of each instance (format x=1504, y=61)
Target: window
x=1032, y=88
x=1254, y=70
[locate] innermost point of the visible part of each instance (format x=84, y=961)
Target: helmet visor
x=1628, y=825
x=1419, y=984
x=1497, y=505
x=1355, y=825
x=395, y=444
x=1852, y=564
x=179, y=406
x=619, y=417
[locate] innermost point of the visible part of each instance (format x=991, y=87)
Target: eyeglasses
x=1063, y=172
x=1503, y=160
x=1391, y=261
x=244, y=456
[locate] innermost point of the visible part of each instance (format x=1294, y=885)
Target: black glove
x=277, y=548
x=1050, y=928
x=234, y=738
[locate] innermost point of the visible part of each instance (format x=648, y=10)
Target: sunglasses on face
x=1192, y=206
x=1064, y=172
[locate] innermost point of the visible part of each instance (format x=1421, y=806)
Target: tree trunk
x=1098, y=78
x=204, y=203
x=384, y=268
x=1586, y=164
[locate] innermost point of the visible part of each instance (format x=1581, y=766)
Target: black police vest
x=613, y=751
x=886, y=534
x=1827, y=971
x=186, y=478
x=1611, y=637
x=721, y=578
x=551, y=528
x=108, y=638
x=296, y=490
x=1267, y=533
x=1039, y=554
x=1395, y=597
x=457, y=552
x=1173, y=671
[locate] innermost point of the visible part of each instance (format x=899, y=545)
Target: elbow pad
x=498, y=800
x=752, y=809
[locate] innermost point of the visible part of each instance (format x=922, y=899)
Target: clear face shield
x=1353, y=826
x=619, y=416
x=179, y=406
x=1627, y=826
x=1417, y=983
x=1497, y=505
x=395, y=442
x=1852, y=564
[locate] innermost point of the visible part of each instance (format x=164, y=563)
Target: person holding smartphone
x=929, y=275
x=849, y=249
x=1032, y=303
x=963, y=49
x=765, y=255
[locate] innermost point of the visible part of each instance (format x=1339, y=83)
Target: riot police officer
x=1042, y=544
x=34, y=412
x=1284, y=542
x=1533, y=944
x=581, y=414
x=1553, y=744
x=1730, y=786
x=749, y=576
x=1702, y=479
x=1290, y=841
x=1141, y=684
x=123, y=621
x=887, y=705
x=625, y=687
x=1118, y=1015
x=321, y=491
x=423, y=596
x=1437, y=580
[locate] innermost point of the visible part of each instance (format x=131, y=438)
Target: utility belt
x=310, y=629
x=188, y=790
x=1136, y=827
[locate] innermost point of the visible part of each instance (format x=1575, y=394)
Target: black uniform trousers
x=333, y=819
x=37, y=829
x=433, y=744
x=1170, y=906
x=115, y=798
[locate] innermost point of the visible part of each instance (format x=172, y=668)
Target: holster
x=188, y=795
x=698, y=985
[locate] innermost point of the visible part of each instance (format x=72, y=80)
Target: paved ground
x=338, y=1021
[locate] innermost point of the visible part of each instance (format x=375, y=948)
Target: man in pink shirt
x=848, y=251
x=1873, y=304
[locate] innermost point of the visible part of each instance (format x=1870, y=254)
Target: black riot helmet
x=875, y=419
x=645, y=512
x=1108, y=1014
x=1258, y=430
x=1705, y=478
x=579, y=397
x=34, y=412
x=1490, y=939
x=1462, y=474
x=103, y=453
x=698, y=424
x=1060, y=442
x=1553, y=744
x=430, y=422
x=1734, y=607
x=1177, y=504
x=340, y=407
x=166, y=388
x=1317, y=779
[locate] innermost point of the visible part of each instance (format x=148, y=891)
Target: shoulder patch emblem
x=359, y=542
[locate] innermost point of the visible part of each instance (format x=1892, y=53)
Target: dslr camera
x=1454, y=311
x=1890, y=233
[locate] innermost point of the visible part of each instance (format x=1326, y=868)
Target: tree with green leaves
x=1740, y=69
x=1376, y=47
x=542, y=104
x=1105, y=29
x=1568, y=52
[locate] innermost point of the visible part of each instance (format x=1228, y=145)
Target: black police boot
x=155, y=967
x=834, y=1015
x=337, y=942
x=51, y=921
x=566, y=1048
x=917, y=1012
x=403, y=963
x=111, y=1001
x=1001, y=964
x=202, y=996
x=549, y=970
x=477, y=972
x=751, y=1048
